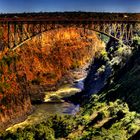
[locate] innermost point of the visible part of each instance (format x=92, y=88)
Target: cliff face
x=53, y=54
x=15, y=114
x=45, y=61
x=14, y=96
x=49, y=60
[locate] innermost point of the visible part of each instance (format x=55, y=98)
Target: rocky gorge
x=55, y=58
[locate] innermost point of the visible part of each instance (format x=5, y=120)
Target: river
x=51, y=106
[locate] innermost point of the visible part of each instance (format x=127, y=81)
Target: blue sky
x=69, y=5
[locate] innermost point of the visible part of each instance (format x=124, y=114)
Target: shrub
x=63, y=125
x=43, y=132
x=104, y=55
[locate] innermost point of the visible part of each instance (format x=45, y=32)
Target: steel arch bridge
x=19, y=30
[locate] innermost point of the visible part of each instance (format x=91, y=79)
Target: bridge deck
x=2, y=20
x=70, y=16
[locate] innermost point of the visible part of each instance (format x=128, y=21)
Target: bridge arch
x=85, y=28
x=20, y=31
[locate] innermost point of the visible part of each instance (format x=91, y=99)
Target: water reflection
x=58, y=108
